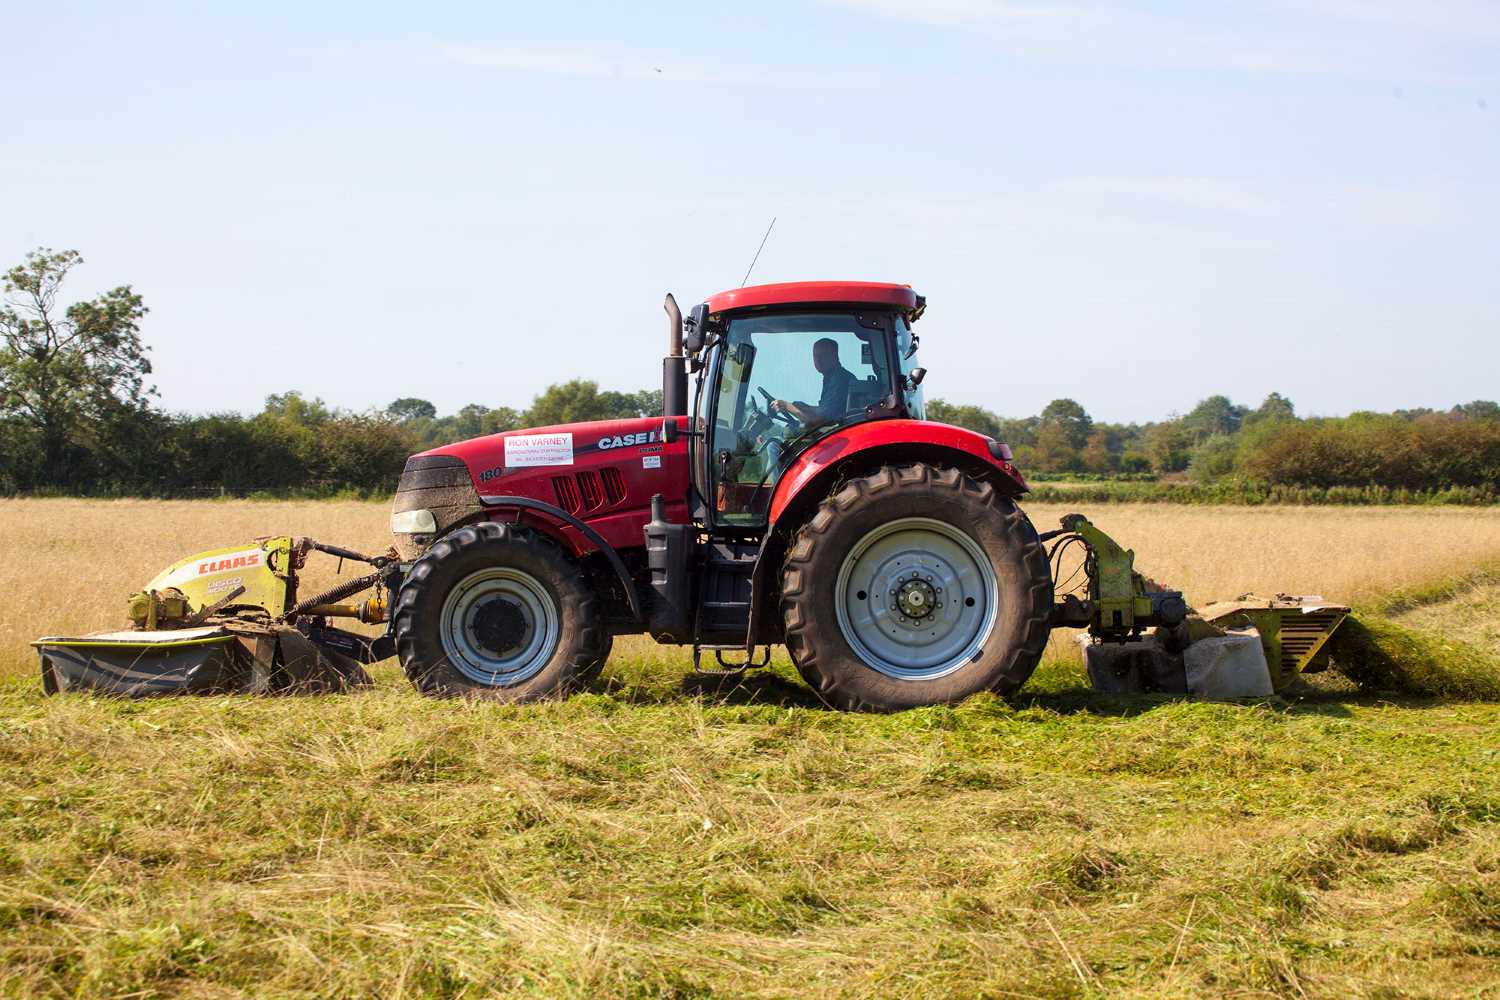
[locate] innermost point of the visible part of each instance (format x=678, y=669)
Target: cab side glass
x=906, y=349
x=787, y=380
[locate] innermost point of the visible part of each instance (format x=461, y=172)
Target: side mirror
x=915, y=378
x=695, y=330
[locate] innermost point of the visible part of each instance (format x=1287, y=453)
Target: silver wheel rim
x=916, y=598
x=500, y=626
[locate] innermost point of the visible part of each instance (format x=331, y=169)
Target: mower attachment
x=228, y=620
x=1293, y=629
x=1144, y=638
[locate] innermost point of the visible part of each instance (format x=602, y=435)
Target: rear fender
x=881, y=442
x=856, y=451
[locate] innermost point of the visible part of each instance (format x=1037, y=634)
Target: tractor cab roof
x=875, y=294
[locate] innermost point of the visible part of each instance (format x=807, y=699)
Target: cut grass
x=1466, y=609
x=1381, y=655
x=1440, y=638
x=660, y=837
x=651, y=840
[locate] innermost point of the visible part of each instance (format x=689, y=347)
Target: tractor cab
x=780, y=367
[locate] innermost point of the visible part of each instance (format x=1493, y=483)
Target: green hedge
x=1260, y=494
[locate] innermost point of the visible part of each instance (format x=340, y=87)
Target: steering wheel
x=781, y=415
x=757, y=421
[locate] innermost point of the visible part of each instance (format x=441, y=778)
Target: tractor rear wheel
x=496, y=614
x=915, y=585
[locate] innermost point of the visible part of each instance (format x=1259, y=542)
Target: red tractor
x=802, y=498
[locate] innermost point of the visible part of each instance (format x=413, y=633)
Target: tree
x=69, y=378
x=295, y=410
x=1213, y=458
x=1480, y=409
x=1054, y=451
x=646, y=403
x=1071, y=418
x=1097, y=456
x=501, y=418
x=1017, y=432
x=580, y=399
x=1275, y=407
x=409, y=408
x=1214, y=415
x=974, y=418
x=1168, y=444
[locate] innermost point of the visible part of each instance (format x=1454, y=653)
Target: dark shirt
x=834, y=402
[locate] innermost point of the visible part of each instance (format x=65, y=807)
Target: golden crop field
x=67, y=565
x=656, y=837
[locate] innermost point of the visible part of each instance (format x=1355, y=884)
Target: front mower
x=229, y=620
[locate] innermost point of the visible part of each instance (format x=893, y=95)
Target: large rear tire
x=500, y=615
x=912, y=586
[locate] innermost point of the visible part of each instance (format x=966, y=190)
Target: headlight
x=413, y=522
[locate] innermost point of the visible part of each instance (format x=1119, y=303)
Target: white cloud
x=1033, y=18
x=1358, y=38
x=1345, y=203
x=554, y=61
x=1199, y=193
x=1467, y=18
x=598, y=64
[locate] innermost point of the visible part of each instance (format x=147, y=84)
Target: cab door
x=834, y=367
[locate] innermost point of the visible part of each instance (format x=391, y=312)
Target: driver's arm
x=807, y=413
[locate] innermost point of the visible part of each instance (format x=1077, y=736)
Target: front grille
x=588, y=485
x=567, y=493
x=614, y=485
x=586, y=491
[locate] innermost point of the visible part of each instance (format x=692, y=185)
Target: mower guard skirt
x=217, y=659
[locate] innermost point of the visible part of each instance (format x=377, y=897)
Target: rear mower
x=887, y=552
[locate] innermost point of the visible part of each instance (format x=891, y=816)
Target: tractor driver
x=837, y=380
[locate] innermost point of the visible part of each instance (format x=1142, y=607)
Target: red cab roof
x=879, y=293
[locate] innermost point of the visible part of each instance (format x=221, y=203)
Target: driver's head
x=826, y=355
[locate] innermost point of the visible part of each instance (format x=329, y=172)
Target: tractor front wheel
x=496, y=614
x=915, y=585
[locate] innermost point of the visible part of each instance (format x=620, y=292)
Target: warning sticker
x=524, y=450
x=651, y=461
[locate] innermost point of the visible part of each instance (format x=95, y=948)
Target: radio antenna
x=758, y=250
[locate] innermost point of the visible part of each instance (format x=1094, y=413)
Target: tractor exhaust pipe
x=674, y=395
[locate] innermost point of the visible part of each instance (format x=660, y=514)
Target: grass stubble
x=658, y=838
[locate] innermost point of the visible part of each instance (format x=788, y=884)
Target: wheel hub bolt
x=917, y=599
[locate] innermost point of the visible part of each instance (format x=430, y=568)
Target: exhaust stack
x=674, y=396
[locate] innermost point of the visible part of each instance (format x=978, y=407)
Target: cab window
x=906, y=356
x=785, y=381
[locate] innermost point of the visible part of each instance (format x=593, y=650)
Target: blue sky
x=1136, y=205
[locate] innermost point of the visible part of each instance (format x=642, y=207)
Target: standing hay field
x=67, y=565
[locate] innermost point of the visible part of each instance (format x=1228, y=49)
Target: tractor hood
x=602, y=471
x=495, y=459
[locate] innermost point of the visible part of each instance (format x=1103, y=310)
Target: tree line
x=1219, y=440
x=78, y=416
